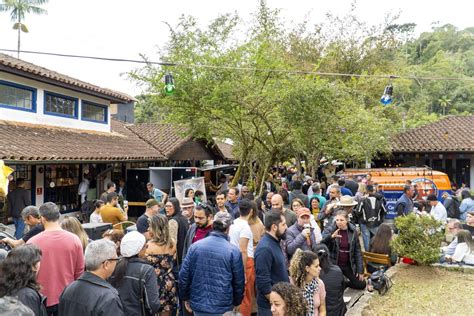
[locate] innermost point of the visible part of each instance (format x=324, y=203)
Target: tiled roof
x=226, y=150
x=27, y=142
x=166, y=138
x=10, y=63
x=450, y=134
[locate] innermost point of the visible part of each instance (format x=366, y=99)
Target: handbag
x=380, y=281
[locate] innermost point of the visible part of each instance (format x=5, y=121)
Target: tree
x=444, y=102
x=18, y=9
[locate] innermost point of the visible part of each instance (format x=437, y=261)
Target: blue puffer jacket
x=212, y=275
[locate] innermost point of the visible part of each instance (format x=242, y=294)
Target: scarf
x=308, y=294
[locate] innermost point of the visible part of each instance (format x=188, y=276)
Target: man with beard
x=220, y=203
x=270, y=264
x=201, y=227
x=277, y=205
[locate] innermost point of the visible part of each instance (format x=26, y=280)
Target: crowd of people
x=291, y=251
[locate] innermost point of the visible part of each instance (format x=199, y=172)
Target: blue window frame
x=94, y=112
x=60, y=105
x=17, y=97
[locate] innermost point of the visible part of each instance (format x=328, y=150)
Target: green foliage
x=256, y=87
x=419, y=238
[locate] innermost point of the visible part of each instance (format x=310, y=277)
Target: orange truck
x=390, y=182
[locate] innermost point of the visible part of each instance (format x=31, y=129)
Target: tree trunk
x=261, y=180
x=238, y=173
x=19, y=35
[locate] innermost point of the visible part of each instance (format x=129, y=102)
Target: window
x=94, y=112
x=17, y=96
x=61, y=105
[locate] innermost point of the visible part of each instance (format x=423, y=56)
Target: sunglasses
x=112, y=259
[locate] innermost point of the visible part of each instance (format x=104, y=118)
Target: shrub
x=419, y=238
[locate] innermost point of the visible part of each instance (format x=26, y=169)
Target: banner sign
x=181, y=186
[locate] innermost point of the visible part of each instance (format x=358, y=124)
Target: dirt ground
x=421, y=290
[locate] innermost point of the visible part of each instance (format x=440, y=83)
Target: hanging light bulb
x=169, y=84
x=387, y=94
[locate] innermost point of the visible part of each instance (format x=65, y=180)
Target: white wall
x=44, y=119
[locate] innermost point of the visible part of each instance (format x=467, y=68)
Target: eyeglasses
x=112, y=259
x=168, y=205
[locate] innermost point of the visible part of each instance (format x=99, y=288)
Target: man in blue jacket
x=270, y=266
x=212, y=279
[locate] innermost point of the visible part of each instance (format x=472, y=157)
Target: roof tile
x=18, y=64
x=450, y=134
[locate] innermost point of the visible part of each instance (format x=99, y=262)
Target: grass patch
x=420, y=290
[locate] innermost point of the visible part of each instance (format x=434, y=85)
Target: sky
x=125, y=29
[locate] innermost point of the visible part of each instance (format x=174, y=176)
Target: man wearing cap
x=91, y=294
x=438, y=211
x=300, y=235
x=152, y=208
x=187, y=209
x=211, y=279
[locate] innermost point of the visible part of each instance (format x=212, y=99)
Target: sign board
x=181, y=186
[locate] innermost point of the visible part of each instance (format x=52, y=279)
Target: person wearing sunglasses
x=91, y=294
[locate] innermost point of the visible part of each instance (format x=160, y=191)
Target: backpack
x=453, y=210
x=380, y=281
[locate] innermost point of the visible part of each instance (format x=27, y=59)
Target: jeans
x=19, y=227
x=366, y=235
x=354, y=282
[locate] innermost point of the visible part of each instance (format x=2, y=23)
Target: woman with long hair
x=380, y=244
x=72, y=225
x=334, y=282
x=314, y=205
x=133, y=277
x=256, y=224
x=361, y=192
x=161, y=254
x=18, y=277
x=189, y=193
x=304, y=271
x=343, y=243
x=114, y=235
x=178, y=226
x=464, y=249
x=467, y=204
x=287, y=300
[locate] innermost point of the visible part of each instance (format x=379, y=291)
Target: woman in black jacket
x=135, y=279
x=344, y=249
x=178, y=226
x=18, y=277
x=334, y=283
